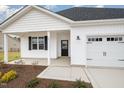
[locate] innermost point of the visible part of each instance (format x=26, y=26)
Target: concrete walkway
x=70, y=73
x=106, y=77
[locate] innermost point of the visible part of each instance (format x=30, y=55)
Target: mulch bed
x=27, y=73
x=64, y=84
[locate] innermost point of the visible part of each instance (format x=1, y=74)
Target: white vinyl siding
x=36, y=20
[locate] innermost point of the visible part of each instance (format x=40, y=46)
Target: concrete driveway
x=106, y=77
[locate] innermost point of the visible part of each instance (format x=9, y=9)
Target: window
x=112, y=38
x=89, y=39
x=95, y=39
x=116, y=39
x=100, y=39
x=38, y=43
x=120, y=38
x=41, y=43
x=108, y=39
x=34, y=43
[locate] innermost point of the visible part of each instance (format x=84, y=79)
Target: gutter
x=98, y=22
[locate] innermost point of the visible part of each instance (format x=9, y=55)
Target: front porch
x=43, y=51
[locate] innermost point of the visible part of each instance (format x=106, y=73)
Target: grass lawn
x=12, y=56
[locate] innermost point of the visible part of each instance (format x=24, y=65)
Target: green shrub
x=80, y=84
x=0, y=74
x=32, y=83
x=54, y=84
x=10, y=75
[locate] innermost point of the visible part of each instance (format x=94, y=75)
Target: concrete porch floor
x=61, y=61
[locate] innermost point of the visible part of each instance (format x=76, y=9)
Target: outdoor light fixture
x=78, y=38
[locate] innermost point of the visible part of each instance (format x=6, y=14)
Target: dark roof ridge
x=91, y=8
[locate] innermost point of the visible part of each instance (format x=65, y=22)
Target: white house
x=89, y=36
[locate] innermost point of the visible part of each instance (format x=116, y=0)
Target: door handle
x=89, y=59
x=120, y=59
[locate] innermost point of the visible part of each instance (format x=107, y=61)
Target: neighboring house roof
x=84, y=14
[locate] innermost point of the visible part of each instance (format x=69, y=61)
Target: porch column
x=48, y=34
x=5, y=48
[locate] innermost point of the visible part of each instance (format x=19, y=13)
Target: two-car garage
x=105, y=50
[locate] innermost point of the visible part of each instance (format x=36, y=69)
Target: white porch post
x=48, y=34
x=5, y=48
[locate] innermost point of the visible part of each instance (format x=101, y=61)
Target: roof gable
x=35, y=20
x=24, y=10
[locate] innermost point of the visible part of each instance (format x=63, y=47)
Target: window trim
x=43, y=43
x=33, y=43
x=37, y=43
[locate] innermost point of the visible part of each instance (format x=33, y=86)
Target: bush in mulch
x=81, y=84
x=8, y=76
x=1, y=74
x=33, y=83
x=54, y=84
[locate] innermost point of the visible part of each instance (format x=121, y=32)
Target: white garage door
x=105, y=51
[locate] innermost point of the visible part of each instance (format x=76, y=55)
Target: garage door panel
x=106, y=53
x=104, y=62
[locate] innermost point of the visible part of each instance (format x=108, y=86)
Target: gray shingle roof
x=83, y=13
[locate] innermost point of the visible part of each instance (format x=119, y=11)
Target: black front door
x=64, y=47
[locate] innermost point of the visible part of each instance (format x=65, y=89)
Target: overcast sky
x=8, y=10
